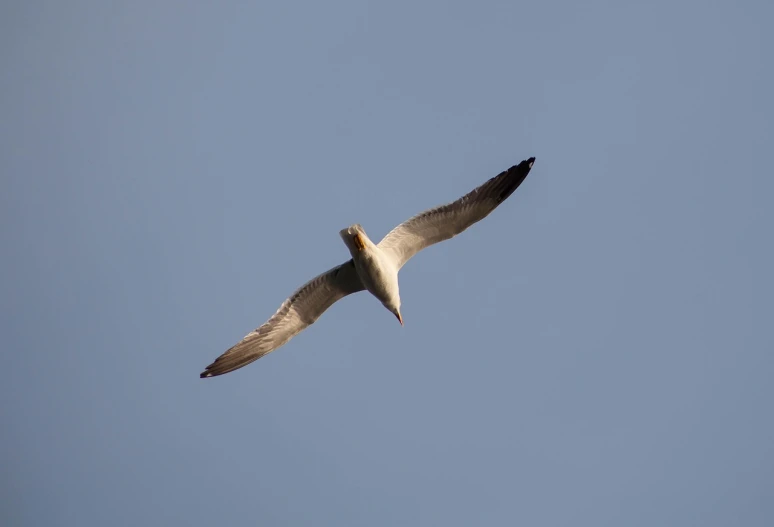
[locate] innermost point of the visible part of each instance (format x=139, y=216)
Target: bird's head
x=395, y=310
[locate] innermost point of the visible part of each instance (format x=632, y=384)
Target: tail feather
x=349, y=234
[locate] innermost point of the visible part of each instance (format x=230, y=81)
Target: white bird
x=373, y=267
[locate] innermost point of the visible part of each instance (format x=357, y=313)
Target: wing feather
x=444, y=222
x=295, y=314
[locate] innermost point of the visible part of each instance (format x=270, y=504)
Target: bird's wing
x=295, y=314
x=443, y=222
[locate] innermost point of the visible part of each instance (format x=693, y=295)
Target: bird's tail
x=355, y=238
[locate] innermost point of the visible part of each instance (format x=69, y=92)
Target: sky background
x=597, y=352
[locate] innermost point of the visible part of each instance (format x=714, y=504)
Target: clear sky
x=597, y=352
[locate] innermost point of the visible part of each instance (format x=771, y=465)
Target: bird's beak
x=400, y=318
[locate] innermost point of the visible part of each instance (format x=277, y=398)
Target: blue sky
x=596, y=352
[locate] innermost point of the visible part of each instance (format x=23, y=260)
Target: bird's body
x=373, y=267
x=377, y=271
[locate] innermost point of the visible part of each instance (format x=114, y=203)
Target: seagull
x=373, y=267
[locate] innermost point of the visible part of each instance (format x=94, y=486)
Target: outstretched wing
x=441, y=223
x=295, y=314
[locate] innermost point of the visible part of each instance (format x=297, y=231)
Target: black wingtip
x=510, y=180
x=213, y=371
x=525, y=166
